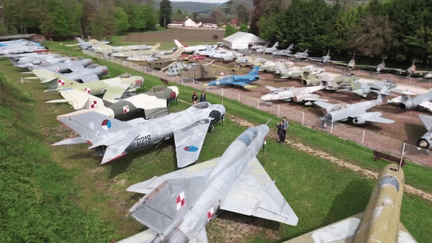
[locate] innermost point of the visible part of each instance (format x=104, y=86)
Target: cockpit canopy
x=338, y=107
x=248, y=136
x=202, y=105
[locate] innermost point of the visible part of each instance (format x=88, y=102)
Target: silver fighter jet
x=355, y=112
x=113, y=138
x=180, y=204
x=298, y=95
x=406, y=102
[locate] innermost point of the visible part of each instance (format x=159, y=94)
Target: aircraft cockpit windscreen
x=201, y=105
x=390, y=181
x=248, y=136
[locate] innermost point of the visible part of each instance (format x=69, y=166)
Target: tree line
x=396, y=29
x=61, y=19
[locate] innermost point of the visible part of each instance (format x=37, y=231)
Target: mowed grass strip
x=318, y=196
x=37, y=195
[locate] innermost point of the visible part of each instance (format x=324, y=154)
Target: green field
x=63, y=195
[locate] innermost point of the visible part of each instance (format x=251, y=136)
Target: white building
x=190, y=23
x=241, y=40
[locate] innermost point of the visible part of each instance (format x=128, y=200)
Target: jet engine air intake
x=359, y=120
x=406, y=105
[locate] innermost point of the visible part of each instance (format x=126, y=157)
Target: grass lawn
x=318, y=191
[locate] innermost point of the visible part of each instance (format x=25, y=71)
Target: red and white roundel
x=180, y=200
x=93, y=104
x=126, y=109
x=210, y=213
x=138, y=82
x=57, y=69
x=61, y=82
x=87, y=90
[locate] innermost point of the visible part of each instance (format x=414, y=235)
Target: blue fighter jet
x=238, y=80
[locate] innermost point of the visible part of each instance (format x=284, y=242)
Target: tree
x=373, y=36
x=149, y=17
x=228, y=7
x=242, y=14
x=217, y=15
x=165, y=13
x=121, y=19
x=229, y=30
x=244, y=28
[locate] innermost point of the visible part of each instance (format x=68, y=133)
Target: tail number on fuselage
x=143, y=140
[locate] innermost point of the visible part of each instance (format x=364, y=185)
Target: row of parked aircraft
x=179, y=205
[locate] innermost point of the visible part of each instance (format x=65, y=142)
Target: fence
x=361, y=136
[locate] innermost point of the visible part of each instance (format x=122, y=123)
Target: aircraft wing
x=344, y=231
x=117, y=149
x=255, y=194
x=271, y=88
x=201, y=237
x=146, y=236
x=44, y=75
x=427, y=105
x=375, y=117
x=427, y=121
x=115, y=92
x=189, y=141
x=78, y=99
x=89, y=78
x=324, y=105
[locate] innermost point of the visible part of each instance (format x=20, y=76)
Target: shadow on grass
x=250, y=220
x=355, y=195
x=120, y=165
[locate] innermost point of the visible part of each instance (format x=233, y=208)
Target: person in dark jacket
x=285, y=126
x=194, y=98
x=280, y=131
x=203, y=97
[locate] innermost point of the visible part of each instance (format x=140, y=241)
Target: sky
x=201, y=1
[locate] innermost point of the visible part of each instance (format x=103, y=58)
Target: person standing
x=285, y=126
x=203, y=97
x=194, y=98
x=280, y=131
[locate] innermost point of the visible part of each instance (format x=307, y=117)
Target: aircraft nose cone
x=266, y=97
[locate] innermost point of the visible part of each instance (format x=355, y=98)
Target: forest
x=400, y=30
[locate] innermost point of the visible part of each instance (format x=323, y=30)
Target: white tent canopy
x=241, y=40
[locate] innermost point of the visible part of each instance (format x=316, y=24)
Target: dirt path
x=321, y=154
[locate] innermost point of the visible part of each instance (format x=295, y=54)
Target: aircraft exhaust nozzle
x=406, y=105
x=423, y=143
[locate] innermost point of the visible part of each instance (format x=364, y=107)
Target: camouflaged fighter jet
x=151, y=104
x=238, y=80
x=380, y=222
x=355, y=112
x=406, y=102
x=83, y=75
x=426, y=140
x=113, y=138
x=180, y=204
x=110, y=89
x=126, y=54
x=298, y=95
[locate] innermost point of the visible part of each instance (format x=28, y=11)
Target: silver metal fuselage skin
x=220, y=181
x=350, y=110
x=150, y=132
x=411, y=103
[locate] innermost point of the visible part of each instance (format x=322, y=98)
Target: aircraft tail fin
x=290, y=47
x=95, y=127
x=155, y=47
x=254, y=70
x=178, y=44
x=167, y=201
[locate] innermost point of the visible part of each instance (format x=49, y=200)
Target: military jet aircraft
x=151, y=104
x=269, y=49
x=364, y=89
x=159, y=61
x=226, y=56
x=284, y=52
x=301, y=55
x=299, y=71
x=98, y=46
x=70, y=66
x=238, y=80
x=426, y=140
x=406, y=102
x=378, y=223
x=113, y=138
x=20, y=46
x=299, y=95
x=30, y=61
x=276, y=67
x=82, y=75
x=84, y=45
x=354, y=112
x=179, y=205
x=126, y=54
x=110, y=89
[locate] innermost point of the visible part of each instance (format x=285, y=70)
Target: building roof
x=241, y=40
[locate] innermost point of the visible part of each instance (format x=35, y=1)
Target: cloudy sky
x=202, y=1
